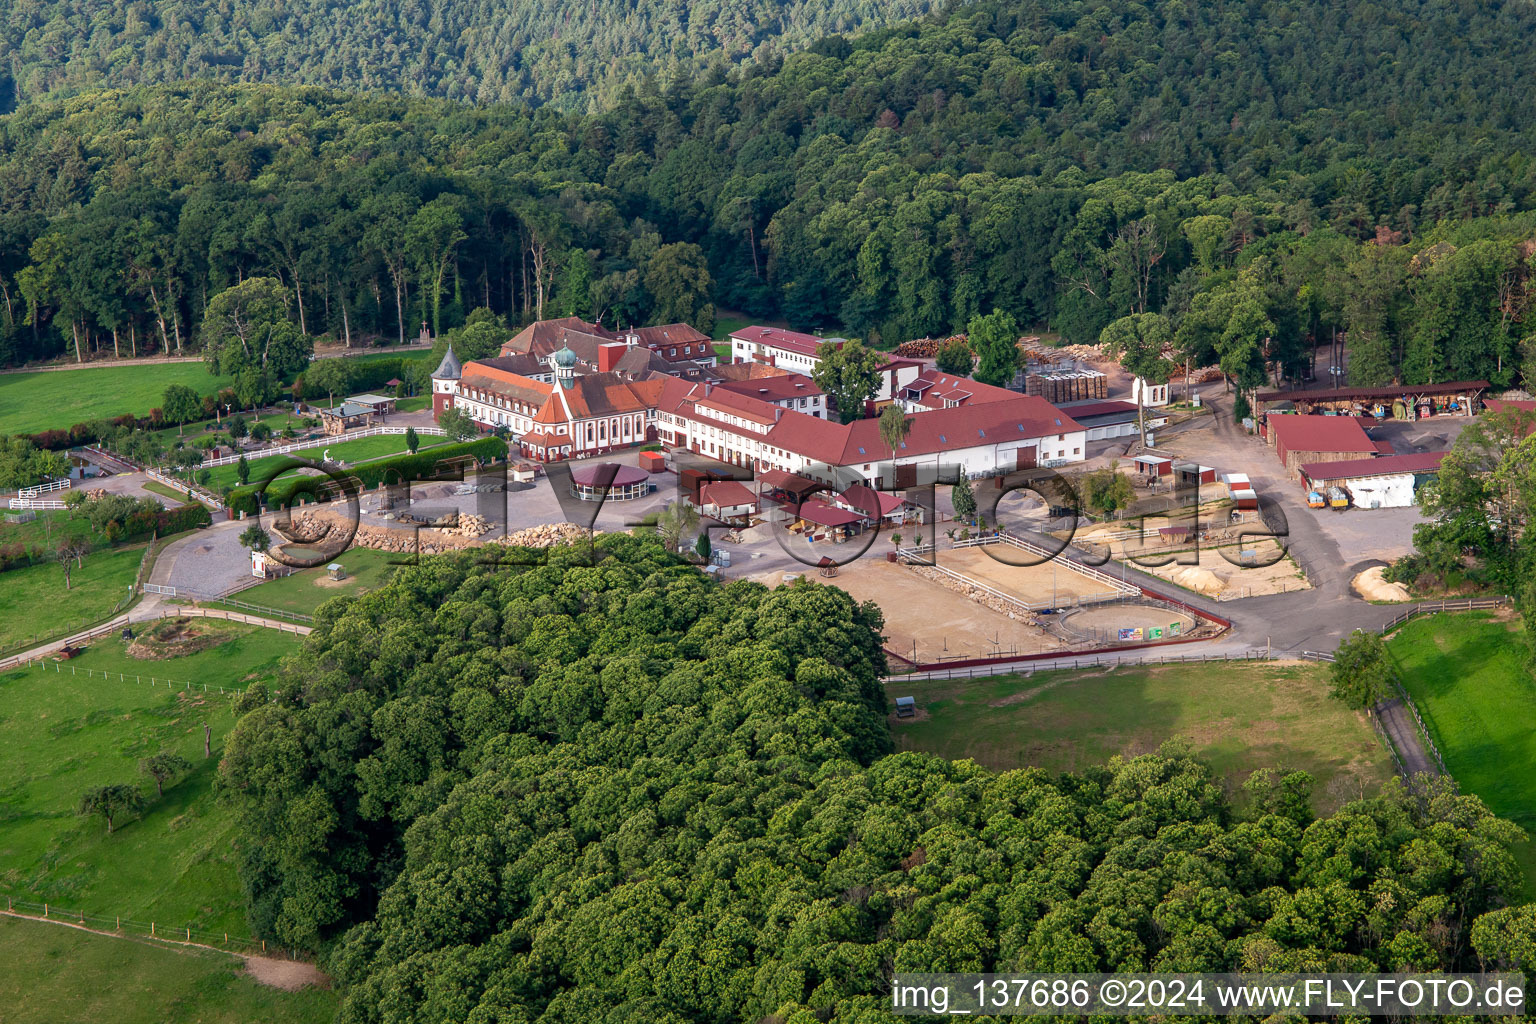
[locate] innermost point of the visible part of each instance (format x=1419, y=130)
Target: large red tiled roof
x=779, y=337
x=773, y=389
x=1320, y=434
x=726, y=494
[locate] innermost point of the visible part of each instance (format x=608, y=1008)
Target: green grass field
x=34, y=603
x=156, y=487
x=1466, y=672
x=30, y=402
x=304, y=591
x=361, y=450
x=190, y=432
x=69, y=726
x=48, y=528
x=1239, y=716
x=56, y=974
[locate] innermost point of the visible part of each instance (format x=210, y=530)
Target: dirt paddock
x=1111, y=617
x=942, y=623
x=1054, y=583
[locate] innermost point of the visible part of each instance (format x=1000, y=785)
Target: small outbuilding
x=906, y=707
x=1153, y=466
x=728, y=499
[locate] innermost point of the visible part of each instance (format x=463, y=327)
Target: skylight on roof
x=943, y=439
x=1058, y=421
x=983, y=433
x=861, y=451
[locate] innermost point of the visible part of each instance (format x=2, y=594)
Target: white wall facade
x=1381, y=491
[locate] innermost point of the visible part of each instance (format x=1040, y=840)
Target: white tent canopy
x=1381, y=491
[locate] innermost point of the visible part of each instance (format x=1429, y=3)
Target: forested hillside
x=572, y=52
x=611, y=792
x=1258, y=174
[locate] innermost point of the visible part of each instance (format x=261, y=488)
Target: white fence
x=36, y=503
x=1047, y=664
x=48, y=488
x=320, y=442
x=1045, y=555
x=194, y=492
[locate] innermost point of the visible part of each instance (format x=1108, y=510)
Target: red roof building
x=1303, y=439
x=778, y=346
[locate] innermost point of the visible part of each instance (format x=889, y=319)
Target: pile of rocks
x=976, y=594
x=546, y=535
x=471, y=525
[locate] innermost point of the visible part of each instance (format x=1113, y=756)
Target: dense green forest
x=610, y=789
x=572, y=52
x=1259, y=174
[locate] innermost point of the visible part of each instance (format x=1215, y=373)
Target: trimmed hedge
x=405, y=466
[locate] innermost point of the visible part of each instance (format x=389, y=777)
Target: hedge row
x=420, y=466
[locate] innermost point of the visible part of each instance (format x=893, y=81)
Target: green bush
x=405, y=466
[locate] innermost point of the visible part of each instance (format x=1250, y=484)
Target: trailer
x=1338, y=498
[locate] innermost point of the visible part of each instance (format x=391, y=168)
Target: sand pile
x=1201, y=581
x=1371, y=586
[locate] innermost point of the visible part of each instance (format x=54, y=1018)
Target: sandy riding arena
x=942, y=622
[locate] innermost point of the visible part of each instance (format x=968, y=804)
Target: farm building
x=1192, y=474
x=787, y=488
x=1106, y=420
x=1399, y=402
x=1302, y=439
x=818, y=520
x=727, y=499
x=1388, y=482
x=1153, y=466
x=863, y=500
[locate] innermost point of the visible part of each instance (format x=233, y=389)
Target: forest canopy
x=1070, y=164
x=597, y=786
x=571, y=52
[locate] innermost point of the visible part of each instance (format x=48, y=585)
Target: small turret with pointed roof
x=449, y=368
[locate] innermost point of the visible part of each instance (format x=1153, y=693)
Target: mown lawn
x=1466, y=672
x=304, y=591
x=156, y=487
x=31, y=402
x=68, y=726
x=361, y=450
x=34, y=603
x=58, y=974
x=1239, y=716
